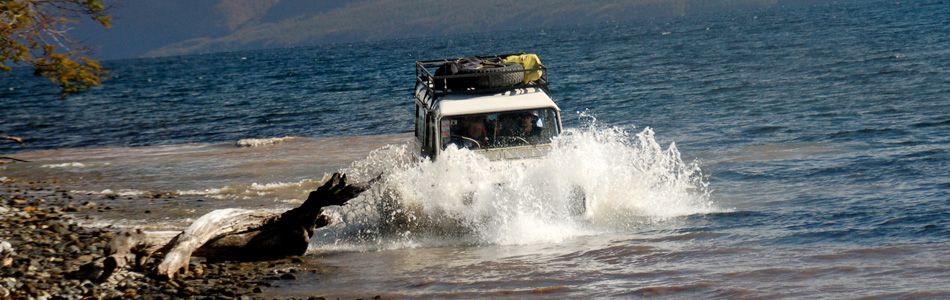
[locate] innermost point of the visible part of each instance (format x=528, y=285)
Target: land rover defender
x=495, y=105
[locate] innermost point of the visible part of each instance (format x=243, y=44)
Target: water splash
x=623, y=180
x=263, y=141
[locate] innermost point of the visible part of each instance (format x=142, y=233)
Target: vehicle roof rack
x=429, y=88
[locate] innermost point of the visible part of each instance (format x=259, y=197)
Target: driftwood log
x=16, y=139
x=227, y=234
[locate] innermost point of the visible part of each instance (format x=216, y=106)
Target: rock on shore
x=47, y=247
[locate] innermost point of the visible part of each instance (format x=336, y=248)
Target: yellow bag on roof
x=528, y=61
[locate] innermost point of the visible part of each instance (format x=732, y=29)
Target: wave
x=263, y=142
x=626, y=180
x=277, y=185
x=120, y=192
x=64, y=165
x=286, y=192
x=205, y=192
x=283, y=191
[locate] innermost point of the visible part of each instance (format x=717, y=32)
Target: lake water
x=794, y=152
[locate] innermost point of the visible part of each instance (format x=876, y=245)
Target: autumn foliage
x=33, y=32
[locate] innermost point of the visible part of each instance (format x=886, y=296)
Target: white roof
x=517, y=99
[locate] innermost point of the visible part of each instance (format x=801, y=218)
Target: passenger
x=477, y=132
x=475, y=137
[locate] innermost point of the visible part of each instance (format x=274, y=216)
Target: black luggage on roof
x=474, y=75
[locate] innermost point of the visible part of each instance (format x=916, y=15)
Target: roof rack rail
x=430, y=88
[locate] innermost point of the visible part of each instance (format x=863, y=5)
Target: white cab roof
x=517, y=99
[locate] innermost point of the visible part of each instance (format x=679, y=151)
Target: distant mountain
x=176, y=27
x=141, y=26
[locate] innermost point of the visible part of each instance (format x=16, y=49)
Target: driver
x=527, y=124
x=524, y=128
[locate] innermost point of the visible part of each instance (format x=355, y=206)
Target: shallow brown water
x=663, y=249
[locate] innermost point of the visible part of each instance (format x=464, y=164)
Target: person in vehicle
x=522, y=128
x=475, y=136
x=528, y=125
x=478, y=132
x=523, y=125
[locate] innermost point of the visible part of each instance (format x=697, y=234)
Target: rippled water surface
x=798, y=151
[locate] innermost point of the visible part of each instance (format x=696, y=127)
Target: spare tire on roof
x=487, y=73
x=496, y=75
x=451, y=68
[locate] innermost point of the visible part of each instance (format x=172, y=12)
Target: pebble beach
x=42, y=226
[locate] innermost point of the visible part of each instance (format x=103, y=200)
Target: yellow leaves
x=13, y=52
x=29, y=27
x=106, y=21
x=91, y=62
x=11, y=8
x=95, y=5
x=69, y=74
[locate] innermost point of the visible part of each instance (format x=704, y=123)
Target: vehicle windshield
x=501, y=129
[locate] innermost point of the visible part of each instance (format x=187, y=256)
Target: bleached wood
x=226, y=234
x=210, y=226
x=16, y=139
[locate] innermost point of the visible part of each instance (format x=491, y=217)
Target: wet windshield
x=498, y=130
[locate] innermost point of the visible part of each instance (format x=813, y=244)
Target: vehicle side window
x=430, y=134
x=420, y=124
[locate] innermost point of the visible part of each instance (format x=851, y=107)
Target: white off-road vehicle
x=495, y=105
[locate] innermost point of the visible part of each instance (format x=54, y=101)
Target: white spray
x=621, y=181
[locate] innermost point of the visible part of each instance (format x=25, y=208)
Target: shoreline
x=43, y=226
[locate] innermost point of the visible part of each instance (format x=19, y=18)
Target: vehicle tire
x=491, y=76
